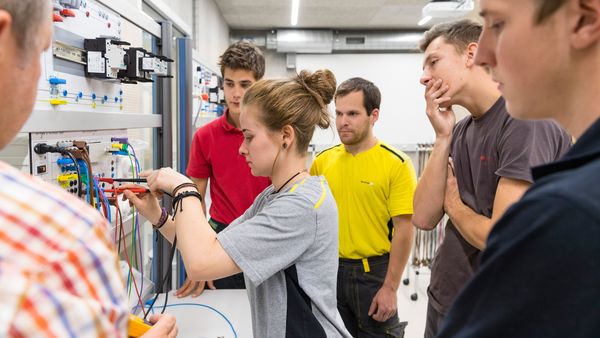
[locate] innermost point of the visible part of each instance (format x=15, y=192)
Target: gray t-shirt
x=287, y=246
x=485, y=149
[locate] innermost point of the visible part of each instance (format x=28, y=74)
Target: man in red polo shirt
x=215, y=156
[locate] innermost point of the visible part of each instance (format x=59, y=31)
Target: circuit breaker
x=142, y=65
x=105, y=57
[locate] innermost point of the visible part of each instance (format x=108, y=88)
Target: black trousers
x=356, y=289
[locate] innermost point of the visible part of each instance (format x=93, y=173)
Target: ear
x=288, y=134
x=374, y=115
x=470, y=53
x=587, y=29
x=5, y=31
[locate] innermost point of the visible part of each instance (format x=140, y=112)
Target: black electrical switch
x=41, y=169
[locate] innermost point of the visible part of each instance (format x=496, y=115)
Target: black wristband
x=179, y=198
x=183, y=185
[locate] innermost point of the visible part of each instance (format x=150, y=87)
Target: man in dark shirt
x=491, y=153
x=540, y=273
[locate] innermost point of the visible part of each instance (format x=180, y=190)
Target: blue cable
x=137, y=225
x=104, y=198
x=83, y=168
x=87, y=192
x=96, y=189
x=205, y=306
x=137, y=220
x=129, y=146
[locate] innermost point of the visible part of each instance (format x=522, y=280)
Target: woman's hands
x=146, y=203
x=164, y=180
x=159, y=181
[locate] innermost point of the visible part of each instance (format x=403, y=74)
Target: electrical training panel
x=208, y=95
x=85, y=73
x=90, y=61
x=100, y=155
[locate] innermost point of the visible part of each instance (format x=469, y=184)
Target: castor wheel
x=405, y=281
x=414, y=296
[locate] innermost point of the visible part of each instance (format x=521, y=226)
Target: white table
x=196, y=320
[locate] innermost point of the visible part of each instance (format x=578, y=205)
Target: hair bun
x=320, y=84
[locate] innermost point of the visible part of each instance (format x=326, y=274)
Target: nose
x=425, y=78
x=342, y=120
x=485, y=55
x=238, y=92
x=242, y=150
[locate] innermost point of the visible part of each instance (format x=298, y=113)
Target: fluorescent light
x=425, y=20
x=295, y=8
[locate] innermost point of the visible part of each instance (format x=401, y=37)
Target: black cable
x=42, y=148
x=67, y=153
x=165, y=304
x=176, y=204
x=167, y=277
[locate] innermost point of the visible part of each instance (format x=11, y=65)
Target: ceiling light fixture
x=295, y=9
x=444, y=10
x=424, y=20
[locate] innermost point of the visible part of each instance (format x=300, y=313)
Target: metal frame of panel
x=185, y=127
x=49, y=121
x=164, y=155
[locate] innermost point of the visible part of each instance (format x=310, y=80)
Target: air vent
x=304, y=41
x=376, y=41
x=355, y=40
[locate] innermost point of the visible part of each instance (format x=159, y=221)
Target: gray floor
x=235, y=307
x=414, y=311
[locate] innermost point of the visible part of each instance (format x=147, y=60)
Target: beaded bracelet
x=162, y=220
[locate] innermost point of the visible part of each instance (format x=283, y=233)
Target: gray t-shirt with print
x=286, y=244
x=483, y=150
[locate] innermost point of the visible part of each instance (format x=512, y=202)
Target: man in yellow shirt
x=373, y=185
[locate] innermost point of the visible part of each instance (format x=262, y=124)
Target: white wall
x=275, y=65
x=402, y=120
x=212, y=33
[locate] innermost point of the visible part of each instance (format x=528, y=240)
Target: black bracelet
x=162, y=220
x=177, y=200
x=183, y=185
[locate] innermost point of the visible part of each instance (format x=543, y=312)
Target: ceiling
x=336, y=14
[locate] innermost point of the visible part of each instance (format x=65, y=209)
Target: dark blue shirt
x=540, y=273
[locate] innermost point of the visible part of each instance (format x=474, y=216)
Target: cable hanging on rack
x=426, y=243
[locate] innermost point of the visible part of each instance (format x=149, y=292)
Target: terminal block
x=156, y=65
x=141, y=65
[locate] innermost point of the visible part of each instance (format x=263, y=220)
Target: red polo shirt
x=215, y=155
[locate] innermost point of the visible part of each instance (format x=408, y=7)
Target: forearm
x=168, y=230
x=474, y=227
x=400, y=251
x=429, y=194
x=195, y=237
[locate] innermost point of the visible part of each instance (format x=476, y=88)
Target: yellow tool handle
x=137, y=326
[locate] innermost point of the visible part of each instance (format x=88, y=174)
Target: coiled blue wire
x=208, y=307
